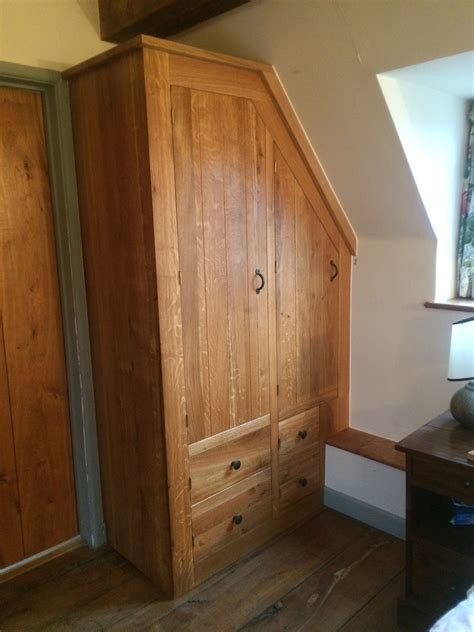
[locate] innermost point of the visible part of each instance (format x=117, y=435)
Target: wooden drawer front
x=218, y=465
x=298, y=479
x=299, y=434
x=228, y=515
x=444, y=478
x=440, y=575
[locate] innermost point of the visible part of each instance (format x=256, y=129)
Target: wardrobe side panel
x=111, y=147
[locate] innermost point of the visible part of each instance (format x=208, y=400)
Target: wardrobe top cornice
x=166, y=46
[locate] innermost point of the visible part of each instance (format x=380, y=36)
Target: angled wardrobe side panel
x=111, y=147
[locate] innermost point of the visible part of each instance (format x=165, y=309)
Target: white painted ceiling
x=454, y=74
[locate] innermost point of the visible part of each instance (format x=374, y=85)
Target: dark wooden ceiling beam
x=122, y=19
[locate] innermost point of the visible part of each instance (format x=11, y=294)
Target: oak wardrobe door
x=307, y=296
x=219, y=151
x=37, y=484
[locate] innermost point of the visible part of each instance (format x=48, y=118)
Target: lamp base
x=462, y=406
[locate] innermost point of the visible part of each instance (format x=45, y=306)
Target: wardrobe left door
x=37, y=495
x=219, y=153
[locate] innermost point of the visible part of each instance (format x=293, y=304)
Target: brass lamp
x=461, y=369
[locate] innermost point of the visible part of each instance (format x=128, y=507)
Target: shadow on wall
x=90, y=8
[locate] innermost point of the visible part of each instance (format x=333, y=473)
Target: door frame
x=59, y=140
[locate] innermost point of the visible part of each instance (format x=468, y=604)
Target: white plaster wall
x=52, y=34
x=432, y=125
x=366, y=480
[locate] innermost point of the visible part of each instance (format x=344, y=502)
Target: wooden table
x=440, y=556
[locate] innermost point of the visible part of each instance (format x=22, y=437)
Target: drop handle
x=302, y=434
x=235, y=465
x=303, y=482
x=237, y=519
x=336, y=270
x=262, y=279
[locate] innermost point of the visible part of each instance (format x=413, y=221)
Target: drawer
x=226, y=516
x=225, y=459
x=450, y=479
x=439, y=575
x=299, y=434
x=294, y=468
x=298, y=479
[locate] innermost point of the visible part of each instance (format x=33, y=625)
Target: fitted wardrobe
x=218, y=263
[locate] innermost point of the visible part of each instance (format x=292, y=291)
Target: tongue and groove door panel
x=219, y=152
x=307, y=297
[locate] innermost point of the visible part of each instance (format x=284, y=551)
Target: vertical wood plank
x=11, y=538
x=187, y=157
x=254, y=139
x=215, y=257
x=338, y=410
x=329, y=352
x=286, y=282
x=158, y=101
x=272, y=313
x=32, y=323
x=306, y=285
x=233, y=125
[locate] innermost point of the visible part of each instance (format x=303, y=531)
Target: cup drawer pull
x=235, y=465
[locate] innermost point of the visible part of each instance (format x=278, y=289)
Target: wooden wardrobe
x=218, y=264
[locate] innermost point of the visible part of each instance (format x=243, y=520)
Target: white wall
x=432, y=125
x=328, y=54
x=370, y=482
x=52, y=34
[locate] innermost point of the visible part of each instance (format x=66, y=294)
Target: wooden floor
x=330, y=574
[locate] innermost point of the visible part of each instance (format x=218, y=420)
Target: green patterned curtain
x=466, y=227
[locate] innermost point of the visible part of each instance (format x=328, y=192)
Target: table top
x=441, y=438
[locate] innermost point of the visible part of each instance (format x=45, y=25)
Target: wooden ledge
x=455, y=304
x=369, y=446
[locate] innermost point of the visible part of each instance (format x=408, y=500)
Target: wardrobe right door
x=307, y=297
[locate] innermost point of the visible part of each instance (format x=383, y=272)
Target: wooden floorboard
x=332, y=573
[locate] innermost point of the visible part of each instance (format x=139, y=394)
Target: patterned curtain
x=466, y=227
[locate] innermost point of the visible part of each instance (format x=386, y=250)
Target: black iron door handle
x=261, y=277
x=336, y=270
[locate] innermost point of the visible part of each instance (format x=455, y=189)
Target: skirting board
x=373, y=516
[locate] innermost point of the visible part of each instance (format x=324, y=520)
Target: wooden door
x=37, y=500
x=219, y=151
x=307, y=296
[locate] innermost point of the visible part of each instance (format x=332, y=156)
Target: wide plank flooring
x=331, y=573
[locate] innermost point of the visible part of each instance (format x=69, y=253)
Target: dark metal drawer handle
x=261, y=277
x=237, y=519
x=302, y=434
x=336, y=270
x=303, y=482
x=235, y=465
x=467, y=483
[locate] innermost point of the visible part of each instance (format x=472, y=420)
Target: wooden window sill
x=369, y=446
x=455, y=304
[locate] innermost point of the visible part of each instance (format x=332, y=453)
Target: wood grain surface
x=32, y=348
